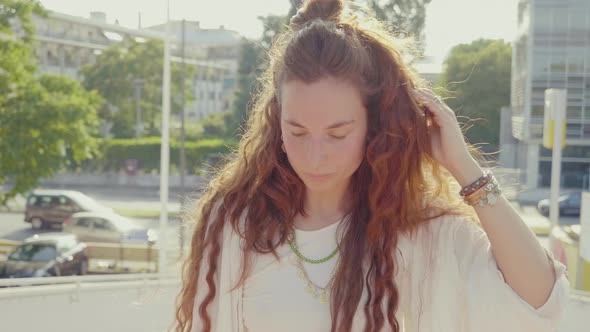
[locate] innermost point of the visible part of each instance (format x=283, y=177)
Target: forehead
x=326, y=100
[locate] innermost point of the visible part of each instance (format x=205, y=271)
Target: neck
x=324, y=208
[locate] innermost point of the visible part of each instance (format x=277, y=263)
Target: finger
x=432, y=98
x=427, y=108
x=424, y=97
x=435, y=104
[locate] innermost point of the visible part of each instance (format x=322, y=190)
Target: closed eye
x=333, y=136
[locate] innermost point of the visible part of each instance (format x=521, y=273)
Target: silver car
x=108, y=227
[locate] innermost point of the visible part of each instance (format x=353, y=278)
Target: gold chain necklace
x=320, y=293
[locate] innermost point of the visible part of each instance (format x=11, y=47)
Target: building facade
x=65, y=43
x=551, y=50
x=218, y=52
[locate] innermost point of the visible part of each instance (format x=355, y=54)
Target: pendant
x=320, y=294
x=492, y=199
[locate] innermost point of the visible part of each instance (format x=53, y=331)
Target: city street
x=133, y=202
x=12, y=226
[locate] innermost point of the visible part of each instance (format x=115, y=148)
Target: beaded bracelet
x=468, y=190
x=486, y=195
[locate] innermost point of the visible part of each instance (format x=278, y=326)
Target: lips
x=318, y=177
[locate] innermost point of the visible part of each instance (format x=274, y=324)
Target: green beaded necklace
x=295, y=250
x=293, y=247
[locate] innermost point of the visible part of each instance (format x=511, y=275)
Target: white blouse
x=448, y=281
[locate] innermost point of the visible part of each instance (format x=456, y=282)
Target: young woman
x=339, y=211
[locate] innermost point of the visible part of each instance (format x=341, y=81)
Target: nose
x=315, y=152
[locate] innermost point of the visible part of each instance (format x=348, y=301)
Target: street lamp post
x=182, y=134
x=165, y=147
x=138, y=84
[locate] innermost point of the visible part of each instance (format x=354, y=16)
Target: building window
x=69, y=57
x=51, y=58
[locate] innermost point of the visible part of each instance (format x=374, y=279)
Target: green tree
x=476, y=77
x=253, y=58
x=42, y=117
x=113, y=76
x=407, y=16
x=16, y=61
x=250, y=66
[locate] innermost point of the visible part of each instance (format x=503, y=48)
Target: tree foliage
x=114, y=75
x=477, y=78
x=407, y=16
x=42, y=117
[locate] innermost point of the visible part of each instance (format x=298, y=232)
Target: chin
x=321, y=186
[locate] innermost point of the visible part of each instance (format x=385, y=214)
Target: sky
x=448, y=22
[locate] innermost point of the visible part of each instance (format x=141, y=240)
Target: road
x=12, y=226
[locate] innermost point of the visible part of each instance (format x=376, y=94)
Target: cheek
x=352, y=152
x=295, y=150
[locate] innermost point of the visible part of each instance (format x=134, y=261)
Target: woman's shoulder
x=230, y=231
x=453, y=222
x=448, y=230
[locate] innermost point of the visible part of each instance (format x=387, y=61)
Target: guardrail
x=76, y=281
x=133, y=302
x=7, y=245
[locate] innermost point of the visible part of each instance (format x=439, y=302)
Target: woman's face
x=324, y=129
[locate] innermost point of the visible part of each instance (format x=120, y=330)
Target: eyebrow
x=333, y=126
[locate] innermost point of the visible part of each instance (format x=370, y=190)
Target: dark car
x=46, y=208
x=569, y=204
x=44, y=255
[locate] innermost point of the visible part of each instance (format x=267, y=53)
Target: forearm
x=519, y=255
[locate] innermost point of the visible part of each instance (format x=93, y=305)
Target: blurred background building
x=65, y=43
x=551, y=50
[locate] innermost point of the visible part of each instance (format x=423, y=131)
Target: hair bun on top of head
x=311, y=10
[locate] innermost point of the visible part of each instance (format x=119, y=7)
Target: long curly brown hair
x=397, y=187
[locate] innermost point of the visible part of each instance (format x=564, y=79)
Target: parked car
x=108, y=227
x=568, y=204
x=46, y=208
x=48, y=254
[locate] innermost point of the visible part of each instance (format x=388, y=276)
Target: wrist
x=467, y=172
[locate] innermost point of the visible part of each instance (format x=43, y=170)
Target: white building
x=219, y=50
x=65, y=43
x=551, y=50
x=429, y=69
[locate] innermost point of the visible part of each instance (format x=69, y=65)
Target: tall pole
x=555, y=100
x=165, y=148
x=138, y=124
x=182, y=110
